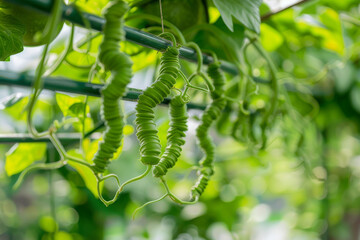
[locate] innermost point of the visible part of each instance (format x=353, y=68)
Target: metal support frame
x=66, y=85
x=139, y=37
x=27, y=138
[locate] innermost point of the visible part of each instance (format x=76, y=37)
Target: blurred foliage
x=303, y=185
x=20, y=156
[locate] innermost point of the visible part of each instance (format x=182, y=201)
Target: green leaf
x=80, y=59
x=74, y=107
x=92, y=147
x=89, y=124
x=143, y=60
x=16, y=111
x=94, y=7
x=276, y=40
x=11, y=36
x=246, y=11
x=77, y=74
x=264, y=9
x=86, y=174
x=309, y=7
x=77, y=109
x=65, y=102
x=218, y=38
x=10, y=100
x=21, y=155
x=214, y=14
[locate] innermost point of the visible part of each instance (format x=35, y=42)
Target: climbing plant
x=258, y=131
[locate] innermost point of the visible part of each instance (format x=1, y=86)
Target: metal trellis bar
x=145, y=39
x=65, y=85
x=142, y=38
x=27, y=138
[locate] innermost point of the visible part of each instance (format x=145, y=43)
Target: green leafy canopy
x=245, y=11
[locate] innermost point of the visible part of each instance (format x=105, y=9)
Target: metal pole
x=27, y=138
x=145, y=39
x=71, y=86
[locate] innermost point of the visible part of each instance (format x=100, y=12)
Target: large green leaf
x=245, y=11
x=10, y=100
x=77, y=110
x=22, y=155
x=218, y=38
x=94, y=7
x=65, y=102
x=86, y=174
x=11, y=36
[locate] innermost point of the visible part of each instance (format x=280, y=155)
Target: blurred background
x=304, y=185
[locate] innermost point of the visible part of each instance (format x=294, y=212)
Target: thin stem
x=161, y=15
x=101, y=179
x=225, y=41
x=158, y=20
x=83, y=122
x=55, y=19
x=240, y=102
x=78, y=66
x=270, y=14
x=192, y=76
x=145, y=204
x=88, y=26
x=83, y=125
x=199, y=54
x=275, y=88
x=43, y=166
x=157, y=30
x=245, y=55
x=51, y=158
x=59, y=147
x=63, y=55
x=84, y=41
x=173, y=197
x=77, y=160
x=148, y=169
x=212, y=54
x=207, y=80
x=98, y=126
x=134, y=54
x=170, y=36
